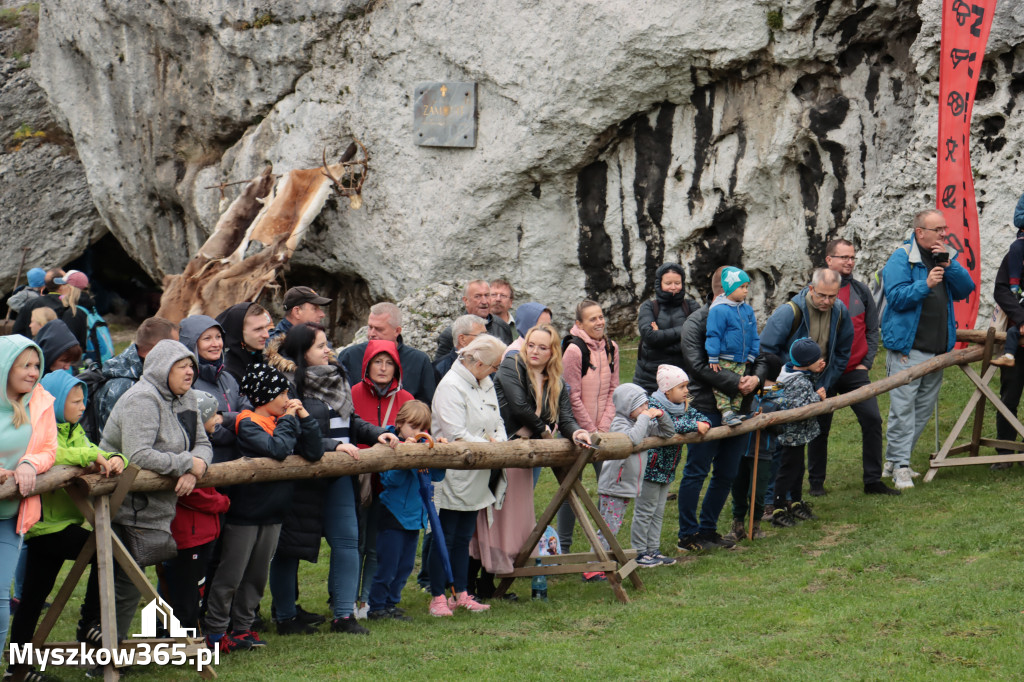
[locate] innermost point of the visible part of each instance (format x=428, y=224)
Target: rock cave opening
x=118, y=284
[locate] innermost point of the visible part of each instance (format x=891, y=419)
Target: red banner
x=965, y=29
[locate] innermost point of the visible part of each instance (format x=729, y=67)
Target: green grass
x=924, y=586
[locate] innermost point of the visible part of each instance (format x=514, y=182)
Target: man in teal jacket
x=921, y=282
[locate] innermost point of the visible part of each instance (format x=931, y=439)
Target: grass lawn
x=924, y=586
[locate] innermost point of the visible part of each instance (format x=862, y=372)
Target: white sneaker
x=360, y=612
x=887, y=469
x=913, y=474
x=903, y=478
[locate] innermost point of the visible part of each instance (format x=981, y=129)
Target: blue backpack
x=99, y=345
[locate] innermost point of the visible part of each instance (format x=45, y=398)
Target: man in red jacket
x=840, y=256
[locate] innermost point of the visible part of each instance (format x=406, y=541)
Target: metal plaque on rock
x=445, y=114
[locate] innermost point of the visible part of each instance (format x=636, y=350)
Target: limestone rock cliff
x=612, y=136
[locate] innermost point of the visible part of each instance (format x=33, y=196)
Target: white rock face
x=612, y=135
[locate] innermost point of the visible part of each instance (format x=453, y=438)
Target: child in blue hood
x=731, y=339
x=59, y=535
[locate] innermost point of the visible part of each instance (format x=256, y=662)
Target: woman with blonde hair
x=75, y=299
x=28, y=446
x=534, y=403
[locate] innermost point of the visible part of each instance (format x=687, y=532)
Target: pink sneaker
x=463, y=600
x=439, y=606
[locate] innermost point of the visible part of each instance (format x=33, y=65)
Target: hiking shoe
x=662, y=559
x=1001, y=466
x=348, y=625
x=1004, y=360
x=295, y=626
x=781, y=518
x=818, y=490
x=904, y=478
x=439, y=606
x=464, y=601
x=646, y=560
x=887, y=469
x=730, y=418
x=758, y=533
x=879, y=488
x=736, y=533
x=252, y=637
x=687, y=544
x=802, y=511
x=769, y=509
x=309, y=618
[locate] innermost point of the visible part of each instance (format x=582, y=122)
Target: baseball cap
x=299, y=295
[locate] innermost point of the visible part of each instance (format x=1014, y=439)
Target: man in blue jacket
x=921, y=282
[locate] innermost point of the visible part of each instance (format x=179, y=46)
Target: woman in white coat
x=465, y=407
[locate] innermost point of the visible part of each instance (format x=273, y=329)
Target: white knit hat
x=670, y=376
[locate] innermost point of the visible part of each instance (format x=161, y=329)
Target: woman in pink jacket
x=591, y=369
x=28, y=445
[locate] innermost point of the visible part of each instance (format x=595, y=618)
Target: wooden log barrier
x=521, y=453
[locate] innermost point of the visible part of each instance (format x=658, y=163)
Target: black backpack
x=570, y=339
x=94, y=380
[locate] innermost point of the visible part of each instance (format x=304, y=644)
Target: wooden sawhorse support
x=108, y=549
x=617, y=566
x=976, y=406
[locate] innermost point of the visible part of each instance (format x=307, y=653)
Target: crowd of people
x=205, y=390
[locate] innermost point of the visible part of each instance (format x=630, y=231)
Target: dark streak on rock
x=741, y=149
x=850, y=26
x=724, y=246
x=595, y=247
x=653, y=156
x=536, y=190
x=703, y=101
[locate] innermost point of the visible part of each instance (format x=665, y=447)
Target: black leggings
x=46, y=556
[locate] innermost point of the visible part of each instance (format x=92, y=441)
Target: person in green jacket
x=59, y=535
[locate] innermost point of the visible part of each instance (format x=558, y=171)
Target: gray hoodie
x=160, y=432
x=624, y=477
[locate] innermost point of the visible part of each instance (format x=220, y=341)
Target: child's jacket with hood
x=73, y=449
x=625, y=477
x=42, y=444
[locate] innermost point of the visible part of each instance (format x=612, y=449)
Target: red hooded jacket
x=369, y=404
x=197, y=518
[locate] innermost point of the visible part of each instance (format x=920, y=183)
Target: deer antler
x=354, y=173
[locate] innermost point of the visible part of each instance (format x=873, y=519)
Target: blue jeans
x=910, y=406
x=396, y=556
x=10, y=551
x=341, y=528
x=776, y=461
x=284, y=571
x=725, y=455
x=458, y=527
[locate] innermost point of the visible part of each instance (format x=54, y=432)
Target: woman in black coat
x=661, y=323
x=320, y=507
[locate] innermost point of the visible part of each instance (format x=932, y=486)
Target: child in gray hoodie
x=621, y=479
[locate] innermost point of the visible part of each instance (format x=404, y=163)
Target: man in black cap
x=301, y=306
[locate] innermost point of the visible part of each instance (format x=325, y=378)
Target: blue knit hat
x=733, y=279
x=804, y=352
x=36, y=278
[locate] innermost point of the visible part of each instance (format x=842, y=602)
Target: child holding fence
x=402, y=516
x=649, y=512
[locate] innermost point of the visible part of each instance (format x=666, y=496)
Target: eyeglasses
x=936, y=230
x=824, y=297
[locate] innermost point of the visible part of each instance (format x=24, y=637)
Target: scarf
x=674, y=409
x=209, y=370
x=327, y=383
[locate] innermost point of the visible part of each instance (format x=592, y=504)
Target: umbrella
x=439, y=546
